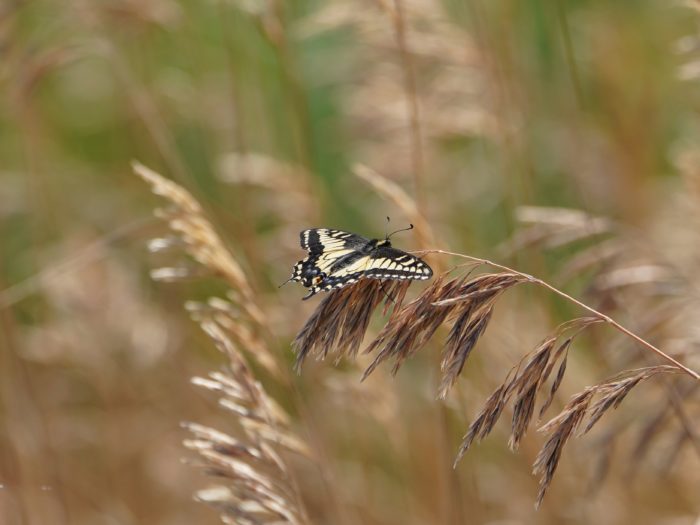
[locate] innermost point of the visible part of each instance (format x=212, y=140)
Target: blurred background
x=559, y=137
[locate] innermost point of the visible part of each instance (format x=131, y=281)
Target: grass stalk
x=605, y=318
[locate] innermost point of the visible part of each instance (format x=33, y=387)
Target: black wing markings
x=317, y=240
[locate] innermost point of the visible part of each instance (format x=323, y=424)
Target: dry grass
x=589, y=405
x=339, y=326
x=259, y=486
x=341, y=320
x=460, y=117
x=624, y=272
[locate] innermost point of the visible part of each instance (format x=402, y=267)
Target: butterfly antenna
x=410, y=227
x=285, y=282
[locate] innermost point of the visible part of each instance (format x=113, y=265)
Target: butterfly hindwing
x=331, y=282
x=389, y=263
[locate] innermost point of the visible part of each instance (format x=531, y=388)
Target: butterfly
x=338, y=258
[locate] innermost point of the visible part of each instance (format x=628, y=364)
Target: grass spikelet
x=523, y=383
x=561, y=355
x=193, y=232
x=525, y=386
x=260, y=489
x=259, y=485
x=589, y=405
x=485, y=420
x=613, y=392
x=227, y=316
x=186, y=218
x=561, y=428
x=468, y=328
x=473, y=309
x=412, y=326
x=470, y=303
x=340, y=321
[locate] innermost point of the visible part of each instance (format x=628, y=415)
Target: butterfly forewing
x=327, y=240
x=326, y=247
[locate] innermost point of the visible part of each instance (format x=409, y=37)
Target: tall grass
x=546, y=155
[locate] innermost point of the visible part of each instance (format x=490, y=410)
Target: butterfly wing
x=327, y=240
x=326, y=247
x=389, y=263
x=343, y=270
x=384, y=262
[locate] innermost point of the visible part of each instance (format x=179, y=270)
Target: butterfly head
x=376, y=243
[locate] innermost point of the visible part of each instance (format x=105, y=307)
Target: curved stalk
x=607, y=319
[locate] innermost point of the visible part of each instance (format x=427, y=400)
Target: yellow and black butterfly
x=338, y=258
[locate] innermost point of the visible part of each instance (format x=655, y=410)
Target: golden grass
x=558, y=140
x=259, y=486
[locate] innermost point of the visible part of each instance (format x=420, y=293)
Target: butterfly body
x=338, y=258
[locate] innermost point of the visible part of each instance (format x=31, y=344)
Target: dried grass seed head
x=590, y=405
x=340, y=321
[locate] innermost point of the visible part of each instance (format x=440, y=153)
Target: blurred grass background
x=262, y=109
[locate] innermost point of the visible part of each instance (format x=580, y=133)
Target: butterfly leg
x=389, y=297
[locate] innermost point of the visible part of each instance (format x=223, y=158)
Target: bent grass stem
x=607, y=319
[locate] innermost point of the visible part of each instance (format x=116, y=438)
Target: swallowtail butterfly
x=338, y=258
